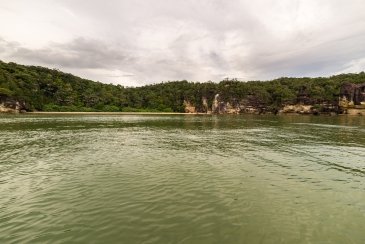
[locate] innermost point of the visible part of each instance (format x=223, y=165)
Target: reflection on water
x=182, y=179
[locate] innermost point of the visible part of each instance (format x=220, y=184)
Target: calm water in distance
x=182, y=179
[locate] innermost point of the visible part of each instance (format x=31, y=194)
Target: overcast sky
x=136, y=42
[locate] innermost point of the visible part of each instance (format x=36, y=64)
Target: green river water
x=182, y=179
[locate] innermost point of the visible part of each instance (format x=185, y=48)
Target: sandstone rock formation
x=297, y=108
x=352, y=99
x=352, y=94
x=11, y=105
x=206, y=106
x=189, y=107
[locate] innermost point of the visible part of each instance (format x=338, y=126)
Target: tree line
x=44, y=89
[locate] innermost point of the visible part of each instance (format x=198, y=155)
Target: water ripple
x=181, y=179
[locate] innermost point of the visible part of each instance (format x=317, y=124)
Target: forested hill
x=44, y=89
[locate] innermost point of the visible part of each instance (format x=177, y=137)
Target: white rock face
x=205, y=105
x=215, y=104
x=10, y=105
x=189, y=108
x=5, y=109
x=297, y=108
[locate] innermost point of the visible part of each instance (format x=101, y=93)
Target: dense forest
x=44, y=89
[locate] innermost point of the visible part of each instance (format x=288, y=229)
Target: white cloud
x=135, y=42
x=354, y=66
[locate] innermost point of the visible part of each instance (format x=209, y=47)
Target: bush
x=6, y=92
x=111, y=108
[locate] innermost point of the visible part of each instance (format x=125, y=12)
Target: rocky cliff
x=221, y=106
x=253, y=105
x=352, y=99
x=11, y=105
x=352, y=95
x=189, y=107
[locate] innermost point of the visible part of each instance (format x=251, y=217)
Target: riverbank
x=162, y=113
x=113, y=113
x=357, y=113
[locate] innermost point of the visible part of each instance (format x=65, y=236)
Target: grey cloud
x=320, y=60
x=79, y=53
x=144, y=41
x=8, y=46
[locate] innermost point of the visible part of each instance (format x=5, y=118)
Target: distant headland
x=39, y=89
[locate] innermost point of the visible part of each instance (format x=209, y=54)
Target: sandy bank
x=112, y=113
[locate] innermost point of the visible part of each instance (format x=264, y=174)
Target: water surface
x=182, y=179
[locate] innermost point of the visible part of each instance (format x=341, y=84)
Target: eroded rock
x=189, y=107
x=11, y=105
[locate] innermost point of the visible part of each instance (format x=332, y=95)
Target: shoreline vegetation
x=175, y=113
x=113, y=113
x=168, y=113
x=137, y=113
x=38, y=90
